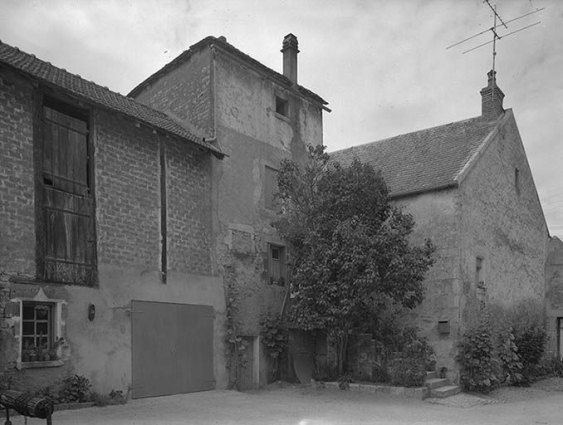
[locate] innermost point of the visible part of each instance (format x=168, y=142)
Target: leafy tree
x=350, y=246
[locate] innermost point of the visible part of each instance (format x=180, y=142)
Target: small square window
x=276, y=264
x=282, y=106
x=37, y=331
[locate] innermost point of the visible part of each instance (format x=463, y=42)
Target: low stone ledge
x=418, y=393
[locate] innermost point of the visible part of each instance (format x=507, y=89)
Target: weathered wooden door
x=68, y=205
x=172, y=348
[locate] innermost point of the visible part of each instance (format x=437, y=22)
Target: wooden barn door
x=172, y=348
x=68, y=252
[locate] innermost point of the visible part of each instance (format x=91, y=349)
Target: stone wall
x=503, y=224
x=554, y=296
x=436, y=215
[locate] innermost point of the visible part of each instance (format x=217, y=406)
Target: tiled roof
x=424, y=160
x=221, y=42
x=95, y=94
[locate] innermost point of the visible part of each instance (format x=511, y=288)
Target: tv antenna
x=496, y=35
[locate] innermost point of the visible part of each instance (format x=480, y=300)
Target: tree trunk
x=341, y=346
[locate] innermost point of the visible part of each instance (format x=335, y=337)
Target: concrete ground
x=299, y=405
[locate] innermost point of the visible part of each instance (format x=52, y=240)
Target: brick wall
x=17, y=214
x=128, y=225
x=189, y=209
x=185, y=91
x=129, y=204
x=127, y=193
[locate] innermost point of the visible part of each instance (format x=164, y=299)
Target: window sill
x=282, y=117
x=38, y=365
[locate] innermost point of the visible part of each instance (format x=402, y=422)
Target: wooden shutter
x=68, y=205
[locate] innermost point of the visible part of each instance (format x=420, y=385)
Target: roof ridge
x=422, y=160
x=407, y=134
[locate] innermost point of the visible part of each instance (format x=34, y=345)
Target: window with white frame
x=38, y=326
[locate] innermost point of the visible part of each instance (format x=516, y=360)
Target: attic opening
x=282, y=106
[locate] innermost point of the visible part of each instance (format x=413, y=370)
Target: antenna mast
x=496, y=35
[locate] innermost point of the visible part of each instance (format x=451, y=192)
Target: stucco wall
x=436, y=215
x=246, y=103
x=127, y=182
x=503, y=224
x=554, y=294
x=253, y=136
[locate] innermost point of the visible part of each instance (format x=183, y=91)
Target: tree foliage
x=350, y=246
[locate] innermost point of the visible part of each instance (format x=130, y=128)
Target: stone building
x=257, y=117
x=470, y=189
x=554, y=297
x=106, y=239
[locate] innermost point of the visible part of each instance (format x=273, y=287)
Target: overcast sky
x=381, y=64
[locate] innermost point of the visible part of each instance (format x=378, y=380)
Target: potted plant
x=39, y=352
x=46, y=357
x=32, y=354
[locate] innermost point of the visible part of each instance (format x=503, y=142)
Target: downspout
x=212, y=71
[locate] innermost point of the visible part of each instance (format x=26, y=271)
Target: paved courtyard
x=306, y=406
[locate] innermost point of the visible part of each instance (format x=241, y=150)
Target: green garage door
x=172, y=348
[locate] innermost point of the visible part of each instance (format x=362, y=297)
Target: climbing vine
x=274, y=337
x=236, y=345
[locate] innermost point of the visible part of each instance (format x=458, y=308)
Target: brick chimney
x=290, y=50
x=491, y=98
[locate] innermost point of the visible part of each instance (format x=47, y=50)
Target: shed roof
x=95, y=94
x=424, y=160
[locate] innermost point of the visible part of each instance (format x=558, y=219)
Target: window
x=271, y=188
x=478, y=270
x=480, y=282
x=517, y=180
x=282, y=106
x=276, y=257
x=37, y=331
x=67, y=236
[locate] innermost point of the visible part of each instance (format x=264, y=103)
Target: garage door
x=172, y=348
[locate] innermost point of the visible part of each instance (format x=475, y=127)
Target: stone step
x=436, y=383
x=431, y=375
x=445, y=391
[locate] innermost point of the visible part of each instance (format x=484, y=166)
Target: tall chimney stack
x=491, y=98
x=290, y=50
